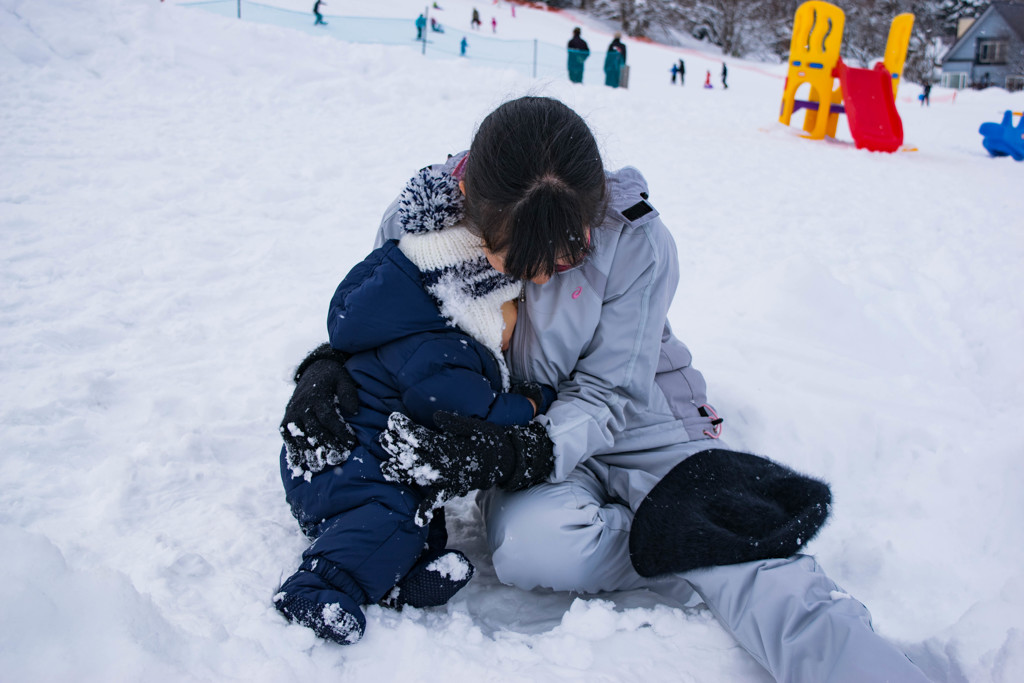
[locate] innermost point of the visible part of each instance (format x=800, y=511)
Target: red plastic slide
x=871, y=108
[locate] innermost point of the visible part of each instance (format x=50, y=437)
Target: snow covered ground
x=181, y=192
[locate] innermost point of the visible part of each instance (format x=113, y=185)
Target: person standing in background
x=614, y=60
x=316, y=11
x=725, y=73
x=618, y=45
x=578, y=53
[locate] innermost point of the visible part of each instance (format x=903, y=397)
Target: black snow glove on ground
x=722, y=507
x=315, y=433
x=466, y=454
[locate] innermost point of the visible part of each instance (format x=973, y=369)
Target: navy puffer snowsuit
x=407, y=358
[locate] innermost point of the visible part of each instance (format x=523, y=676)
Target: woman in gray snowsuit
x=643, y=493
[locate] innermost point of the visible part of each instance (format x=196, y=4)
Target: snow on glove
x=466, y=454
x=314, y=430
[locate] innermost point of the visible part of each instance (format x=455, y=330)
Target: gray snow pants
x=787, y=613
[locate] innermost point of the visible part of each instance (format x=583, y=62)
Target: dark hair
x=535, y=185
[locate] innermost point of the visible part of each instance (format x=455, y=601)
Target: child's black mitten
x=466, y=454
x=314, y=429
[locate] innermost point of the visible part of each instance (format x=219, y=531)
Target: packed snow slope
x=181, y=192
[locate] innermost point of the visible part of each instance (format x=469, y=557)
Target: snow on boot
x=307, y=599
x=433, y=581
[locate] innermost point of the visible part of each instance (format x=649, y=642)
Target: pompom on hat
x=430, y=201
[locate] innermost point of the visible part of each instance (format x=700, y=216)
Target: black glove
x=315, y=433
x=541, y=394
x=466, y=454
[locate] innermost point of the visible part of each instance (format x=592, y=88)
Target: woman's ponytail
x=535, y=185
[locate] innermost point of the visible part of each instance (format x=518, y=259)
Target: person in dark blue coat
x=422, y=323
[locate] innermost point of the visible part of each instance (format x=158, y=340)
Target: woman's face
x=497, y=262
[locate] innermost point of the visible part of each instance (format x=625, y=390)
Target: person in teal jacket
x=612, y=68
x=578, y=53
x=614, y=59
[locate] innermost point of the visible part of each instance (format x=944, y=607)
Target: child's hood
x=381, y=299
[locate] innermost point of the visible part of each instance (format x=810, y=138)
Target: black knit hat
x=721, y=507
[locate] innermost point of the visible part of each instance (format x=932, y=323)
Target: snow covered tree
x=741, y=27
x=932, y=37
x=637, y=16
x=726, y=23
x=949, y=12
x=867, y=30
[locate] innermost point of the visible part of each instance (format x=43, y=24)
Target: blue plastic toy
x=1002, y=139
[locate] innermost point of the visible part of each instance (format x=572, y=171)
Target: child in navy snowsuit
x=422, y=323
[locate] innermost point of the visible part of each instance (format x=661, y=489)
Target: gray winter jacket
x=628, y=397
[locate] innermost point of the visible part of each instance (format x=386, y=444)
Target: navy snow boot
x=433, y=581
x=308, y=599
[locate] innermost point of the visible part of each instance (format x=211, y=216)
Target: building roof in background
x=1011, y=12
